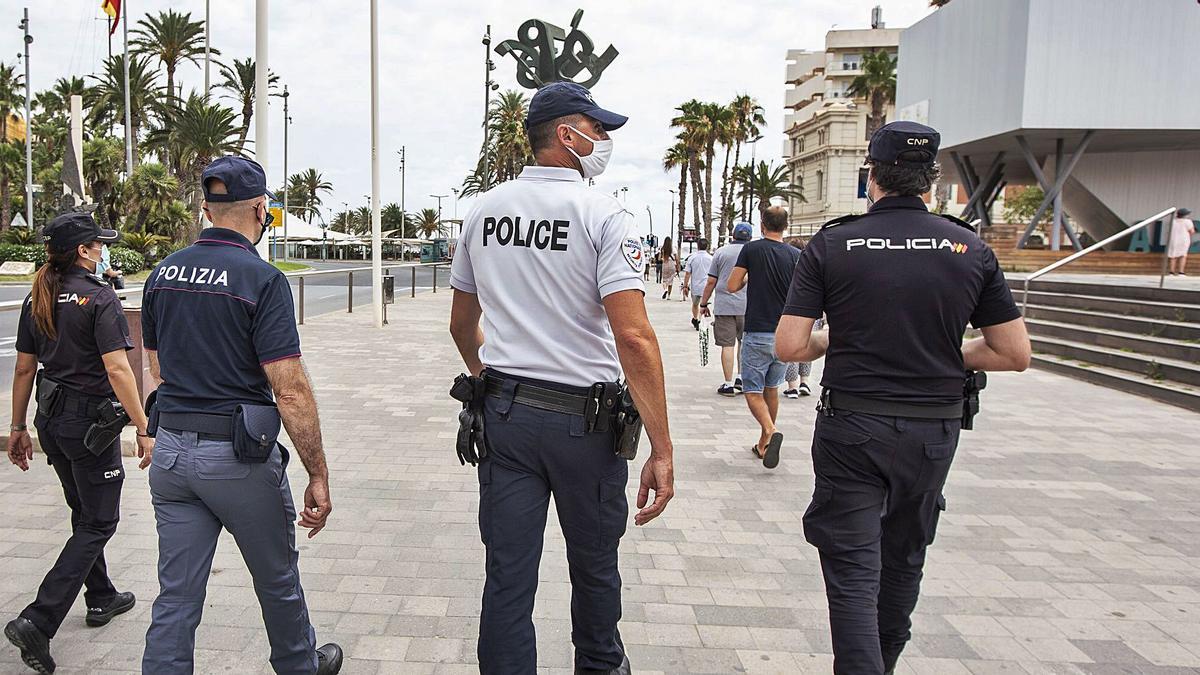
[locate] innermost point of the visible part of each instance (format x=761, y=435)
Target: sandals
x=770, y=458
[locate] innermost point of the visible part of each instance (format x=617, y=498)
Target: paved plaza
x=1071, y=542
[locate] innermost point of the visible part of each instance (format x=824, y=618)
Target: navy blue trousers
x=533, y=454
x=874, y=511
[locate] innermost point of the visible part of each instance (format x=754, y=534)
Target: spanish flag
x=113, y=9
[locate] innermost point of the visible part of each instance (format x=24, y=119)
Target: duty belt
x=832, y=401
x=542, y=398
x=80, y=404
x=213, y=427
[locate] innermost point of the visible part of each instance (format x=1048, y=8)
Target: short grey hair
x=906, y=180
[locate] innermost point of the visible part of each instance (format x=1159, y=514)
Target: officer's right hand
x=658, y=474
x=316, y=506
x=145, y=450
x=20, y=449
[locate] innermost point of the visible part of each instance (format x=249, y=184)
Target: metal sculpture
x=540, y=62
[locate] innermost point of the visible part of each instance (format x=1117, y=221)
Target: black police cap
x=559, y=99
x=69, y=230
x=904, y=143
x=243, y=178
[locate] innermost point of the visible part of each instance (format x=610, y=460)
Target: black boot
x=121, y=603
x=329, y=659
x=33, y=643
x=623, y=669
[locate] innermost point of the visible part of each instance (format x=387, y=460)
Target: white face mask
x=593, y=165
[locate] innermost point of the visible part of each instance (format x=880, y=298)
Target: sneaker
x=329, y=659
x=696, y=324
x=804, y=390
x=33, y=643
x=726, y=390
x=791, y=393
x=737, y=385
x=100, y=616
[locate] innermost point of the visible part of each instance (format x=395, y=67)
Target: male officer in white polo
x=555, y=270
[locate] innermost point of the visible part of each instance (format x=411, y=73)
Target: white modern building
x=1097, y=101
x=826, y=128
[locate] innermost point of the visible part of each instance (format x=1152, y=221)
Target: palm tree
x=717, y=121
x=768, y=181
x=876, y=84
x=427, y=222
x=694, y=137
x=103, y=159
x=12, y=165
x=106, y=98
x=197, y=133
x=171, y=220
x=12, y=97
x=677, y=158
x=473, y=183
x=312, y=183
x=748, y=121
x=173, y=38
x=150, y=189
x=510, y=150
x=238, y=80
x=146, y=244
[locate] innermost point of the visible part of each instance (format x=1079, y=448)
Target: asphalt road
x=322, y=295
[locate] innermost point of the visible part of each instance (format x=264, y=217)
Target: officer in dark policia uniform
x=73, y=325
x=218, y=324
x=555, y=269
x=899, y=285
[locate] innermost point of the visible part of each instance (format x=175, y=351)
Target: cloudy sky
x=431, y=75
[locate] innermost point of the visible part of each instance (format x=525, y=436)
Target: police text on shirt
x=194, y=275
x=537, y=233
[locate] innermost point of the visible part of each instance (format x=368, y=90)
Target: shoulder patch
x=957, y=221
x=95, y=280
x=842, y=219
x=632, y=248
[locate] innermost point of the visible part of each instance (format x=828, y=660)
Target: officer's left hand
x=20, y=449
x=145, y=449
x=658, y=474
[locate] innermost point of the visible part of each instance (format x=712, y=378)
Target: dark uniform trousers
x=534, y=454
x=92, y=486
x=874, y=511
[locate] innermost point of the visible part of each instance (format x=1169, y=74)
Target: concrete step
x=1119, y=340
x=1155, y=368
x=1171, y=311
x=1173, y=393
x=1150, y=293
x=1174, y=330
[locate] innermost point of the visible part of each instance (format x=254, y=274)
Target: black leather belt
x=212, y=427
x=85, y=405
x=542, y=398
x=836, y=400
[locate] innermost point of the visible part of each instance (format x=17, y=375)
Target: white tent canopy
x=298, y=229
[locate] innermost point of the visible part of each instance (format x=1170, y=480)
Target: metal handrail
x=1100, y=244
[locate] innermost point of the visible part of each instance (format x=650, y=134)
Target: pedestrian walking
x=797, y=373
x=658, y=265
x=892, y=400
x=727, y=308
x=72, y=325
x=550, y=356
x=764, y=268
x=670, y=265
x=1182, y=231
x=695, y=277
x=219, y=328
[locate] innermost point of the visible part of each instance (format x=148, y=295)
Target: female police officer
x=73, y=325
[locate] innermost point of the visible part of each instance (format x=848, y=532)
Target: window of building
x=821, y=137
x=820, y=184
x=862, y=182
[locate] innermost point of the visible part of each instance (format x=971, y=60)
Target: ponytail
x=46, y=285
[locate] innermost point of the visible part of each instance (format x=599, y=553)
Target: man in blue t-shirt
x=765, y=268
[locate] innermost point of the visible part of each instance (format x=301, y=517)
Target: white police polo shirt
x=541, y=252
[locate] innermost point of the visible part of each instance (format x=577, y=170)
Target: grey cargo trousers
x=198, y=487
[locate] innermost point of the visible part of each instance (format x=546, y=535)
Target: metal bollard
x=350, y=292
x=301, y=301
x=414, y=281
x=435, y=278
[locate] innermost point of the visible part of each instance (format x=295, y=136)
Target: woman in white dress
x=1181, y=240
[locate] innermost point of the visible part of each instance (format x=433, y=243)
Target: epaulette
x=957, y=221
x=843, y=219
x=95, y=279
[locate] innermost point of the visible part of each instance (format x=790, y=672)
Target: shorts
x=761, y=369
x=696, y=300
x=797, y=370
x=728, y=329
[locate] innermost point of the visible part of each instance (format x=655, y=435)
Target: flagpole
x=261, y=94
x=376, y=225
x=207, y=46
x=128, y=114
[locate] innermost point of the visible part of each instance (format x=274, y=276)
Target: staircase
x=1141, y=340
x=1002, y=238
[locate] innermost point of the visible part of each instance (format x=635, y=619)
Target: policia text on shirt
x=541, y=234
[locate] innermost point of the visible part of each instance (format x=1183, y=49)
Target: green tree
x=748, y=121
x=12, y=97
x=238, y=80
x=877, y=84
x=146, y=244
x=172, y=38
x=195, y=135
x=173, y=221
x=677, y=157
x=393, y=219
x=151, y=188
x=311, y=184
x=427, y=222
x=693, y=133
x=106, y=99
x=12, y=166
x=103, y=160
x=1023, y=203
x=768, y=181
x=510, y=144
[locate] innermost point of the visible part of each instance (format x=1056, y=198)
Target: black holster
x=48, y=394
x=973, y=383
x=628, y=425
x=470, y=445
x=111, y=418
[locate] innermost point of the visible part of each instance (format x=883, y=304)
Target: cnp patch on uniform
x=632, y=248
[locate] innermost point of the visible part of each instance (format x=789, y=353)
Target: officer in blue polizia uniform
x=555, y=269
x=899, y=285
x=73, y=325
x=218, y=324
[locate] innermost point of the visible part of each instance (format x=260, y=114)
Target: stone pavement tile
x=1166, y=654
x=1110, y=652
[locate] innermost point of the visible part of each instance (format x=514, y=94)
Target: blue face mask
x=103, y=266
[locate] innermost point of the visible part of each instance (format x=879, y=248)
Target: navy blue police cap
x=69, y=230
x=243, y=178
x=904, y=143
x=559, y=99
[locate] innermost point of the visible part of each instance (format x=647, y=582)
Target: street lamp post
x=439, y=198
x=750, y=187
x=488, y=88
x=287, y=121
x=29, y=127
x=650, y=215
x=403, y=213
x=261, y=88
x=672, y=223
x=376, y=224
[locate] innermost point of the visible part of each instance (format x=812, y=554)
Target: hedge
x=130, y=262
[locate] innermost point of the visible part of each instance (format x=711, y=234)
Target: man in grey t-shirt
x=728, y=309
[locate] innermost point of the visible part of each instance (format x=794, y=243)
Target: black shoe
x=804, y=390
x=726, y=390
x=665, y=295
x=623, y=669
x=329, y=659
x=696, y=324
x=737, y=385
x=100, y=616
x=791, y=393
x=33, y=643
